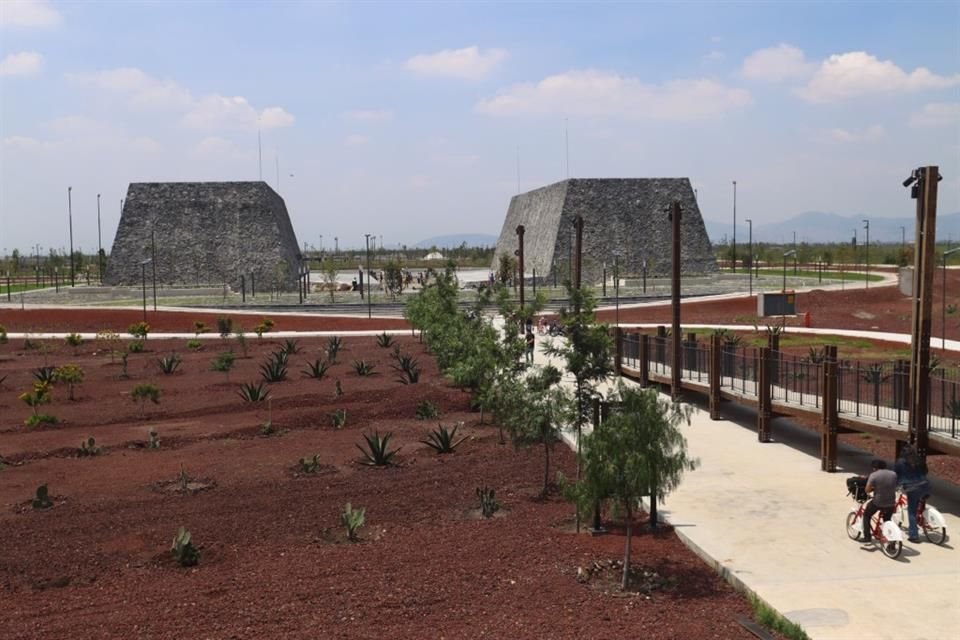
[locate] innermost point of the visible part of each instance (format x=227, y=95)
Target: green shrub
x=74, y=340
x=70, y=374
x=135, y=346
x=352, y=519
x=267, y=429
x=241, y=340
x=488, y=502
x=225, y=326
x=337, y=389
x=143, y=392
x=154, y=441
x=427, y=410
x=443, y=440
x=199, y=327
x=183, y=550
x=30, y=345
x=377, y=452
x=39, y=395
x=37, y=419
x=223, y=363
x=194, y=345
x=139, y=330
x=771, y=619
x=3, y=334
x=309, y=464
x=42, y=499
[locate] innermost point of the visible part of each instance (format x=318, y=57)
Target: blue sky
x=414, y=120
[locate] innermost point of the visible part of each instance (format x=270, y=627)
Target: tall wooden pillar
x=830, y=422
x=713, y=375
x=618, y=350
x=676, y=366
x=644, y=360
x=764, y=406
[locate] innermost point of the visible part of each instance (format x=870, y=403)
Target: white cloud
x=420, y=182
x=213, y=145
x=368, y=115
x=143, y=90
x=839, y=135
x=601, y=93
x=936, y=114
x=26, y=143
x=145, y=144
x=468, y=63
x=208, y=112
x=28, y=13
x=356, y=140
x=21, y=64
x=848, y=75
x=714, y=56
x=775, y=64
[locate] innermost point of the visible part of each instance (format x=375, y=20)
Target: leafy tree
x=330, y=277
x=393, y=278
x=637, y=451
x=70, y=374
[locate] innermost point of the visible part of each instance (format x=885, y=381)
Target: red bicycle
x=929, y=520
x=886, y=533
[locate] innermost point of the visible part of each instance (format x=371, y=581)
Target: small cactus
x=488, y=503
x=42, y=501
x=183, y=549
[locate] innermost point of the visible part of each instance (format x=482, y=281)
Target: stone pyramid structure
x=625, y=215
x=205, y=233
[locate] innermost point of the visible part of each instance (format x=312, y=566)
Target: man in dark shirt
x=883, y=484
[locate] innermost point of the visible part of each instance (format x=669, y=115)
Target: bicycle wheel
x=853, y=526
x=892, y=549
x=934, y=526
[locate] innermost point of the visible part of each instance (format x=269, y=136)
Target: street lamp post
x=943, y=311
x=70, y=218
x=734, y=254
x=369, y=312
x=143, y=284
x=866, y=249
x=785, y=255
x=750, y=253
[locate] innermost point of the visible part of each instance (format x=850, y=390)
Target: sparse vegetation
x=488, y=502
x=225, y=326
x=110, y=341
x=194, y=345
x=154, y=440
x=316, y=369
x=290, y=347
x=38, y=396
x=274, y=370
x=768, y=617
x=384, y=340
x=309, y=464
x=363, y=368
x=339, y=418
x=3, y=334
x=241, y=340
x=135, y=346
x=199, y=326
x=443, y=440
x=352, y=519
x=334, y=344
x=183, y=550
x=89, y=448
x=42, y=499
x=74, y=340
x=143, y=392
x=169, y=364
x=254, y=392
x=408, y=367
x=70, y=374
x=377, y=452
x=223, y=363
x=139, y=330
x=426, y=410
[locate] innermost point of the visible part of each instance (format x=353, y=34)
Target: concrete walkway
x=772, y=523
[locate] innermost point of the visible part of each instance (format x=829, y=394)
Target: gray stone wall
x=205, y=233
x=628, y=215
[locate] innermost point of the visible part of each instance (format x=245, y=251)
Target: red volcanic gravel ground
x=92, y=320
x=274, y=562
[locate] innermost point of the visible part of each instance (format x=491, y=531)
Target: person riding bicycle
x=883, y=484
x=911, y=473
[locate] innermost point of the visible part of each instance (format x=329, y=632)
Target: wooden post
x=676, y=366
x=660, y=352
x=714, y=376
x=925, y=191
x=520, y=231
x=578, y=259
x=773, y=341
x=618, y=350
x=828, y=435
x=764, y=410
x=644, y=360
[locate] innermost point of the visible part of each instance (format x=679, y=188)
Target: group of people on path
x=910, y=474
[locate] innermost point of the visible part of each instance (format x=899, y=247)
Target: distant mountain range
x=816, y=226
x=454, y=241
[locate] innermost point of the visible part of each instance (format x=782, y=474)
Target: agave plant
x=45, y=374
x=377, y=452
x=169, y=364
x=384, y=340
x=363, y=368
x=334, y=344
x=273, y=370
x=408, y=367
x=253, y=393
x=316, y=369
x=290, y=347
x=352, y=519
x=443, y=440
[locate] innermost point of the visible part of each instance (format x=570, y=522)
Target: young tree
x=72, y=375
x=330, y=277
x=393, y=278
x=637, y=451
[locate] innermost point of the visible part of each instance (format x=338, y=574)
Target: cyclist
x=911, y=473
x=883, y=484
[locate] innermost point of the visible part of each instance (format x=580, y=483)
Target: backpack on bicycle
x=857, y=487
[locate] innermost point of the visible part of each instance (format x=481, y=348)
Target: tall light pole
x=750, y=253
x=866, y=249
x=943, y=311
x=785, y=255
x=70, y=217
x=367, y=237
x=99, y=244
x=734, y=226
